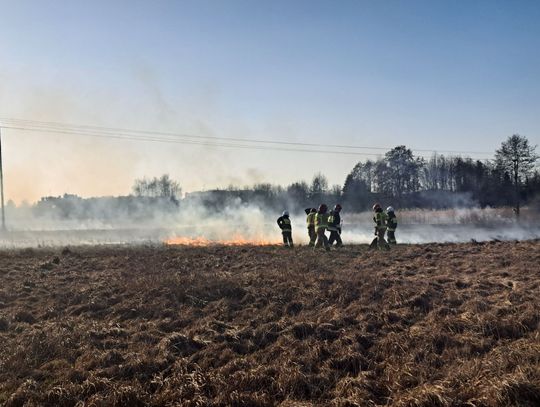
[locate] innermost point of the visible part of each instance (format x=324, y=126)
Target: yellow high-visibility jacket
x=321, y=221
x=310, y=220
x=331, y=220
x=380, y=219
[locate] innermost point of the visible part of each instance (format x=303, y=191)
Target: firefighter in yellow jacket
x=380, y=218
x=334, y=226
x=310, y=221
x=391, y=224
x=321, y=224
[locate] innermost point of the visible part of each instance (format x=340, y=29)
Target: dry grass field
x=422, y=325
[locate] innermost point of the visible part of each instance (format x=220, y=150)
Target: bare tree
x=163, y=187
x=516, y=157
x=404, y=171
x=319, y=187
x=298, y=191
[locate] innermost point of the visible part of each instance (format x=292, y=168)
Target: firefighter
x=391, y=225
x=310, y=221
x=334, y=226
x=284, y=224
x=379, y=217
x=321, y=224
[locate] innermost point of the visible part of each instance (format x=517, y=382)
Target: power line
x=207, y=144
x=23, y=124
x=109, y=130
x=199, y=143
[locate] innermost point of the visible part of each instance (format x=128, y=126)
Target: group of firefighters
x=320, y=220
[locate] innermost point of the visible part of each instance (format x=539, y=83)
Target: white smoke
x=241, y=223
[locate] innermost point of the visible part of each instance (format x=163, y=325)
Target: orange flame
x=188, y=241
x=235, y=240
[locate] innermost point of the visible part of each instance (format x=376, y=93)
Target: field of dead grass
x=422, y=325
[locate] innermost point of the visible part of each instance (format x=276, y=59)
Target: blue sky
x=441, y=75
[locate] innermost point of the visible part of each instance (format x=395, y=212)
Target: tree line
x=447, y=181
x=406, y=181
x=398, y=178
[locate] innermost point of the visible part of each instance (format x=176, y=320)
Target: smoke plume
x=131, y=220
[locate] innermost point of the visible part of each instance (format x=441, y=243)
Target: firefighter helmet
x=377, y=206
x=337, y=208
x=285, y=213
x=323, y=208
x=390, y=209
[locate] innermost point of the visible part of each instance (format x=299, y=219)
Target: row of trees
x=441, y=181
x=398, y=178
x=163, y=187
x=404, y=180
x=294, y=197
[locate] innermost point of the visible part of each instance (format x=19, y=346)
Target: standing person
x=334, y=226
x=321, y=224
x=310, y=221
x=285, y=225
x=379, y=217
x=391, y=225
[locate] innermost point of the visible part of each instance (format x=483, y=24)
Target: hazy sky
x=441, y=75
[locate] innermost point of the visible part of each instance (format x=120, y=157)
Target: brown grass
x=424, y=325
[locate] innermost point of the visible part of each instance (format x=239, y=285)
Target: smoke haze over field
x=38, y=164
x=239, y=223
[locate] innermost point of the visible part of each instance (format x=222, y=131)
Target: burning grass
x=424, y=325
x=236, y=240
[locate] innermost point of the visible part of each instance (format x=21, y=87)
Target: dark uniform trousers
x=287, y=238
x=391, y=236
x=322, y=240
x=312, y=235
x=335, y=236
x=379, y=241
x=392, y=225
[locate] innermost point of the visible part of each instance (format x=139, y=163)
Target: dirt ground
x=422, y=325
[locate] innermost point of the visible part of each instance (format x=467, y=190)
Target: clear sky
x=441, y=75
